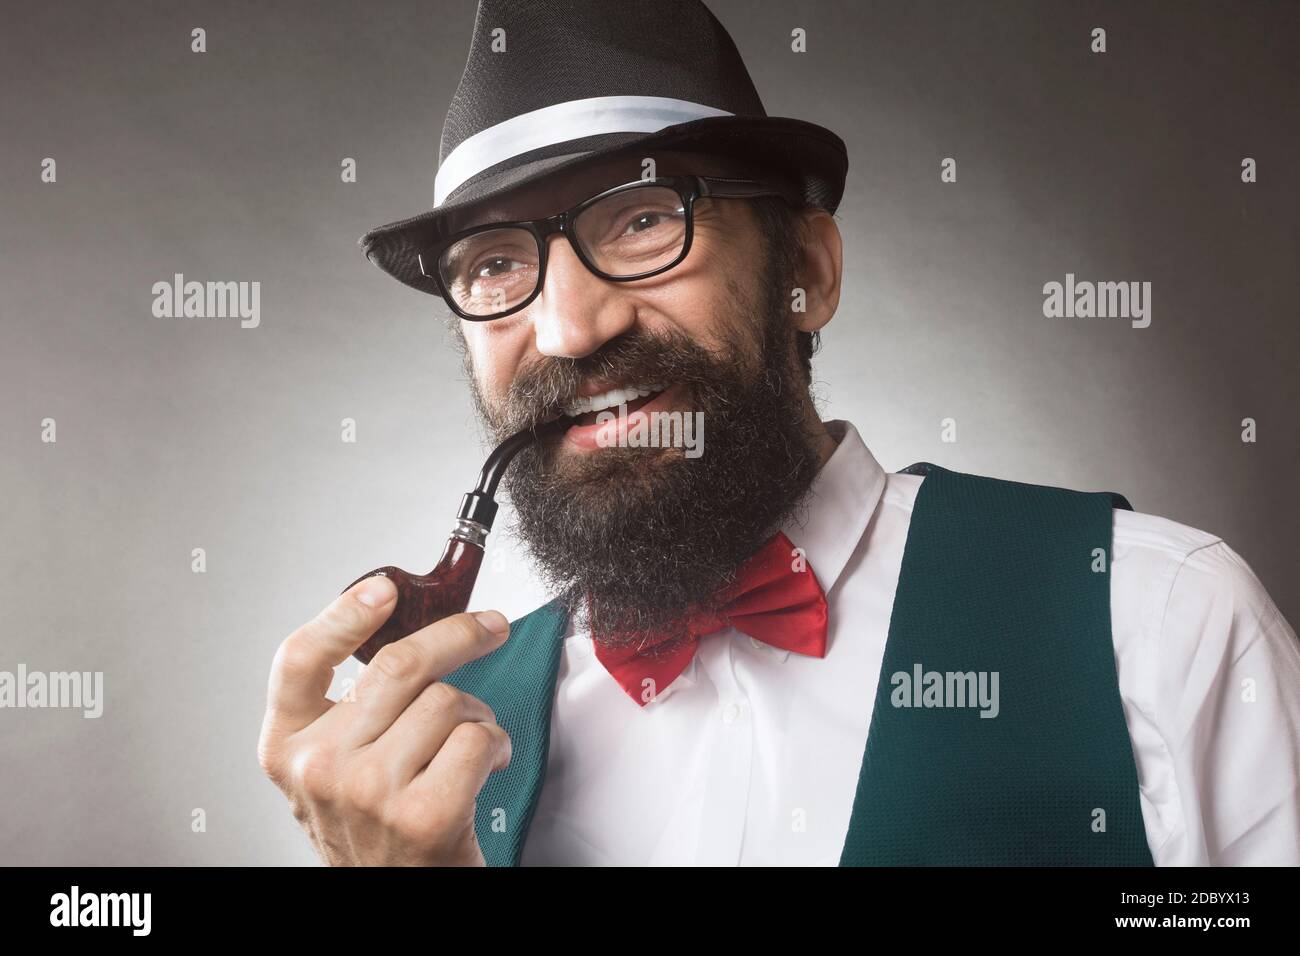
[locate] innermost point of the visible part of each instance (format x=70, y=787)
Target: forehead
x=553, y=194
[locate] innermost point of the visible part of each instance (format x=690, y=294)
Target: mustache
x=542, y=388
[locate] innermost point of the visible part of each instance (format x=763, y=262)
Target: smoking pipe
x=444, y=591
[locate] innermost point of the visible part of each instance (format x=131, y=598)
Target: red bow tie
x=776, y=599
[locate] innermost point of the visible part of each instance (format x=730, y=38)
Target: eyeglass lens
x=627, y=233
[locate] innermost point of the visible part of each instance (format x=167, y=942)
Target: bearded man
x=773, y=652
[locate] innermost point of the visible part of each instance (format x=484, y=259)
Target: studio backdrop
x=179, y=493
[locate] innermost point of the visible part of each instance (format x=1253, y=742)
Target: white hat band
x=559, y=124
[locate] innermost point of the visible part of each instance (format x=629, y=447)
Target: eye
x=496, y=266
x=643, y=221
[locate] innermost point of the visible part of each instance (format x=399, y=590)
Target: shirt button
x=731, y=714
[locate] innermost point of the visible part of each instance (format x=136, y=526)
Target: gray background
x=176, y=434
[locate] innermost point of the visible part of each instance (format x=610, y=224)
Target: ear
x=820, y=268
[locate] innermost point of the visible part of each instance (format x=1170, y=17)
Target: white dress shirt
x=752, y=755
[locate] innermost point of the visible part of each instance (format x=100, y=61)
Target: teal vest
x=997, y=577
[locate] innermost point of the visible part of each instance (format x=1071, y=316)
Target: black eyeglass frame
x=688, y=188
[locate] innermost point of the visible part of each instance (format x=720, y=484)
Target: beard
x=635, y=541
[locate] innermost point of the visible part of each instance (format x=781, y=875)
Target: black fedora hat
x=553, y=84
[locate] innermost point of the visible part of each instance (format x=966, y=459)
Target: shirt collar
x=833, y=517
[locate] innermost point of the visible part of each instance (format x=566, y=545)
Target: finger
x=462, y=765
x=403, y=669
x=408, y=746
x=304, y=664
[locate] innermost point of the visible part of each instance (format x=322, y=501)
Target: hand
x=390, y=777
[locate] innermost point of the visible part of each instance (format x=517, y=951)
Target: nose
x=576, y=312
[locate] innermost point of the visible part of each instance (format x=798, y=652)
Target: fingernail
x=376, y=591
x=494, y=621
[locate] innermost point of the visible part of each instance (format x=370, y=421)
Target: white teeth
x=611, y=399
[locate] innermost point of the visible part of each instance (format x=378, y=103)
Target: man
x=772, y=652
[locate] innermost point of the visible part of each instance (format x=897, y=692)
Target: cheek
x=494, y=356
x=699, y=300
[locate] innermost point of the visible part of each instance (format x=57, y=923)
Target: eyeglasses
x=630, y=232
